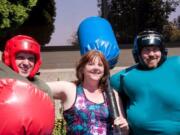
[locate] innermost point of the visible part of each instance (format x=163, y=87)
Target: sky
x=70, y=13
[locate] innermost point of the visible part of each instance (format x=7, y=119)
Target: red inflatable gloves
x=24, y=109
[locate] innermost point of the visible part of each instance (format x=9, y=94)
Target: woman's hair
x=89, y=56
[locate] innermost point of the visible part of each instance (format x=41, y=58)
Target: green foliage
x=60, y=123
x=60, y=127
x=30, y=17
x=176, y=22
x=175, y=37
x=40, y=23
x=14, y=13
x=171, y=31
x=32, y=3
x=129, y=17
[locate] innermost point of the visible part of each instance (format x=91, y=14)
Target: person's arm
x=63, y=90
x=121, y=120
x=59, y=88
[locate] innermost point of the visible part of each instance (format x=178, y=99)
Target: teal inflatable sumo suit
x=154, y=105
x=153, y=96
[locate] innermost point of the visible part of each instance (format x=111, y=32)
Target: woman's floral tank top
x=86, y=117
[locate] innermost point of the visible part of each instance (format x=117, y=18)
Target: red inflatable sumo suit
x=24, y=109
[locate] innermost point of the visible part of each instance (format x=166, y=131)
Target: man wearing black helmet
x=151, y=88
x=149, y=50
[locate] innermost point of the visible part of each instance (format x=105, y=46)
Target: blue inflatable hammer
x=96, y=33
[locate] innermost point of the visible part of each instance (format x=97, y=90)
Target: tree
x=74, y=41
x=13, y=13
x=172, y=30
x=38, y=22
x=130, y=17
x=176, y=22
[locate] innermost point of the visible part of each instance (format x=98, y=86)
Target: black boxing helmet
x=148, y=38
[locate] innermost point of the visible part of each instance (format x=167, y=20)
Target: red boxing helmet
x=22, y=43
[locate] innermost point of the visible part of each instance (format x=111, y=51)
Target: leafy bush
x=175, y=37
x=59, y=127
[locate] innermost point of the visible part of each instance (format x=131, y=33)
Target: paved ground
x=68, y=59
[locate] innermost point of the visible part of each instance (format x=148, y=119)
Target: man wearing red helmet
x=22, y=54
x=25, y=108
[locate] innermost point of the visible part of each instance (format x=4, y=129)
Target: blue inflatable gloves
x=95, y=33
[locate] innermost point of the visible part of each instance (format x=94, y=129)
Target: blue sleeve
x=115, y=80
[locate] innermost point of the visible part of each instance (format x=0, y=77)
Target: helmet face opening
x=22, y=43
x=145, y=39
